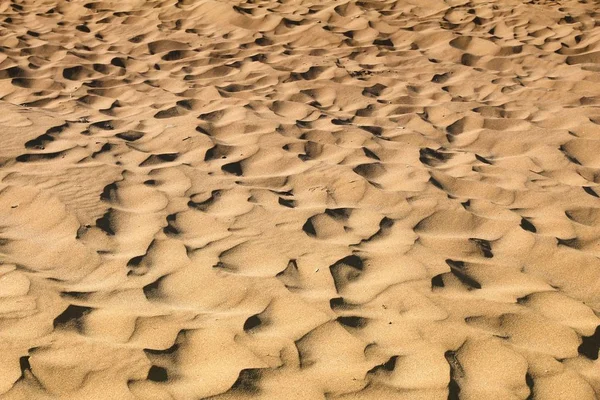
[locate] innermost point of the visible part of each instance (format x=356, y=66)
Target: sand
x=300, y=199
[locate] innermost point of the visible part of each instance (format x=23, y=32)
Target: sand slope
x=391, y=199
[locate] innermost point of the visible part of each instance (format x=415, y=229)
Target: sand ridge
x=299, y=199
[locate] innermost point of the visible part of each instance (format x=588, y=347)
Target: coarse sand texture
x=299, y=199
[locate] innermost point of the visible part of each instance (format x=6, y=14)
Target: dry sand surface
x=300, y=199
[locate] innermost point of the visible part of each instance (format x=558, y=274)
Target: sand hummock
x=299, y=199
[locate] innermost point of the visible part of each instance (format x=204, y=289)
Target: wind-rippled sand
x=392, y=199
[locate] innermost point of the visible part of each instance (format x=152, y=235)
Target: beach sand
x=299, y=199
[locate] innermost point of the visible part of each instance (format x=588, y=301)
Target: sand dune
x=216, y=199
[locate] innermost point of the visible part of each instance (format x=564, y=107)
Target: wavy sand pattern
x=300, y=199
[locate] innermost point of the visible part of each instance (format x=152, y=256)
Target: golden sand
x=299, y=199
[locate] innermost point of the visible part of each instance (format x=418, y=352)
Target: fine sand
x=299, y=199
